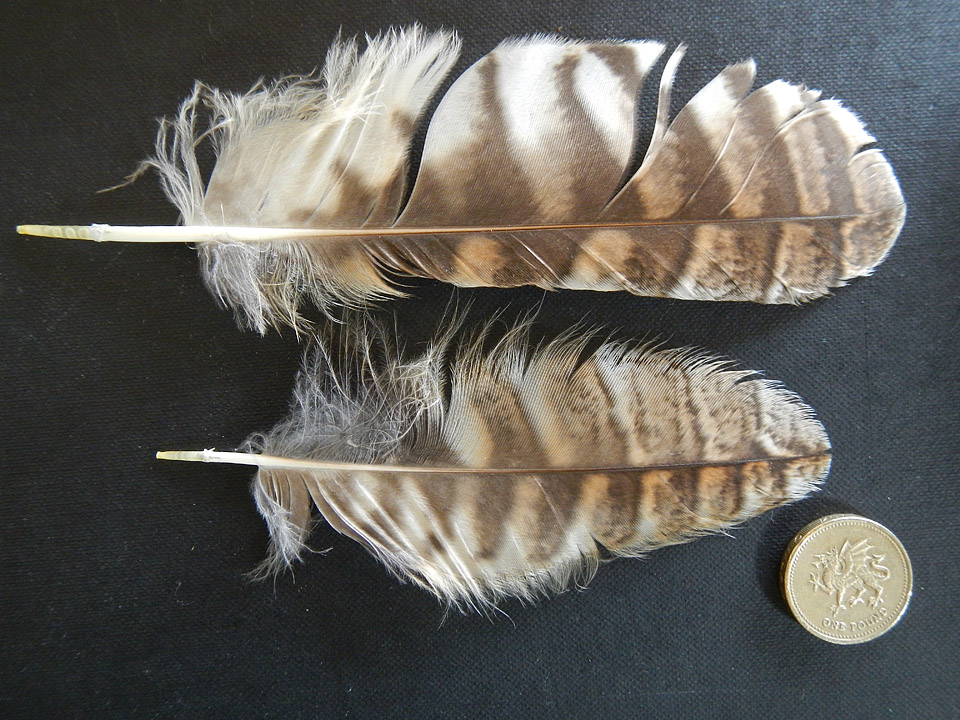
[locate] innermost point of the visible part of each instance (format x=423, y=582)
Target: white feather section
x=343, y=141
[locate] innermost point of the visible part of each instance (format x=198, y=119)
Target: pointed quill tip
x=99, y=232
x=70, y=232
x=184, y=455
x=230, y=458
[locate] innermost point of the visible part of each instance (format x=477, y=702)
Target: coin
x=846, y=579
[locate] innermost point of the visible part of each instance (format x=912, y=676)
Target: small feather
x=482, y=473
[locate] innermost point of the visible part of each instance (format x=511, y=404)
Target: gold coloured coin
x=846, y=579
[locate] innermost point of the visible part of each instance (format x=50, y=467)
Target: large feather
x=481, y=474
x=774, y=196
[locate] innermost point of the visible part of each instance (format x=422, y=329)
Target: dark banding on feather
x=491, y=511
x=620, y=509
x=561, y=503
x=518, y=167
x=733, y=491
x=592, y=151
x=622, y=61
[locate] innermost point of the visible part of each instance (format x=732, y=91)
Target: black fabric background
x=121, y=577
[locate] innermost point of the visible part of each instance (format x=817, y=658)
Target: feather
x=773, y=196
x=482, y=473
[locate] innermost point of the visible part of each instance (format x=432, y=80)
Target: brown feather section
x=766, y=198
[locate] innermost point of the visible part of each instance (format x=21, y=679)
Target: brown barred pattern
x=773, y=196
x=541, y=463
x=769, y=197
x=504, y=534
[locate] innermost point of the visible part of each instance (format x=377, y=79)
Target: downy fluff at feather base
x=771, y=196
x=482, y=472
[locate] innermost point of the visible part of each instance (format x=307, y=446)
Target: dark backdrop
x=121, y=577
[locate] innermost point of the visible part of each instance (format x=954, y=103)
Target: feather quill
x=481, y=474
x=773, y=196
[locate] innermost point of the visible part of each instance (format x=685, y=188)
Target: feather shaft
x=274, y=462
x=100, y=232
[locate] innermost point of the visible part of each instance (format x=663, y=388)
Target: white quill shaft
x=274, y=462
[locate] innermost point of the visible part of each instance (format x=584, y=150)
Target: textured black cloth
x=121, y=587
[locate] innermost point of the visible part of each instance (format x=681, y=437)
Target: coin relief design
x=848, y=573
x=846, y=579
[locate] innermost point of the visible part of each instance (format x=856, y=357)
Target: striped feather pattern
x=773, y=196
x=485, y=473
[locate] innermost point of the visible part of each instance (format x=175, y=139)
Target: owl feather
x=525, y=178
x=486, y=468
